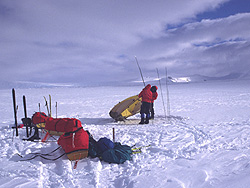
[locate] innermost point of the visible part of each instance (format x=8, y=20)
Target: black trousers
x=145, y=108
x=152, y=111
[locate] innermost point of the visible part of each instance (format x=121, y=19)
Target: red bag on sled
x=39, y=117
x=58, y=126
x=75, y=144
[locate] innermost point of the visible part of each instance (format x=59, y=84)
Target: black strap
x=46, y=153
x=58, y=122
x=68, y=133
x=42, y=155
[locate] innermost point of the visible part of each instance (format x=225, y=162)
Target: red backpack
x=63, y=125
x=75, y=144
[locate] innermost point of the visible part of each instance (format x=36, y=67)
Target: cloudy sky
x=80, y=41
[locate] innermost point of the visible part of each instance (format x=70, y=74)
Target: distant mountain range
x=151, y=80
x=21, y=84
x=200, y=78
x=197, y=78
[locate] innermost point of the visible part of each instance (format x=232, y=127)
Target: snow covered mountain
x=130, y=82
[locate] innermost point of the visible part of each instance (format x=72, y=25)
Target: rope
x=43, y=158
x=43, y=155
x=46, y=153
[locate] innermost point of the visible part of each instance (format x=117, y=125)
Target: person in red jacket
x=146, y=95
x=154, y=97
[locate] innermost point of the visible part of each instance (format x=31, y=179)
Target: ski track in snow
x=204, y=143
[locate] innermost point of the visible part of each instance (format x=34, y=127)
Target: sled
x=126, y=108
x=77, y=155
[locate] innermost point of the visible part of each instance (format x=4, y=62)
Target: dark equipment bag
x=113, y=152
x=119, y=154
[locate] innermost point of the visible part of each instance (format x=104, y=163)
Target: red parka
x=154, y=96
x=146, y=94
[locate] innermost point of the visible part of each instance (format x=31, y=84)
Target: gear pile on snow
x=74, y=140
x=78, y=143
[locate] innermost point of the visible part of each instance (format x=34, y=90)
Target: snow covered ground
x=205, y=143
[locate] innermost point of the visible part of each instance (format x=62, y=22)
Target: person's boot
x=142, y=121
x=147, y=119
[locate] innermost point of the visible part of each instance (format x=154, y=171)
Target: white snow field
x=204, y=143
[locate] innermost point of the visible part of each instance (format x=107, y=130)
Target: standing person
x=146, y=95
x=154, y=97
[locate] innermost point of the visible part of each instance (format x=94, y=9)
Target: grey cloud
x=210, y=47
x=97, y=40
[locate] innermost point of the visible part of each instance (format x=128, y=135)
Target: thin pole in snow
x=56, y=109
x=25, y=116
x=168, y=102
x=140, y=71
x=113, y=134
x=15, y=110
x=161, y=92
x=50, y=113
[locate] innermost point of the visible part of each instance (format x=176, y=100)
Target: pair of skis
x=25, y=119
x=48, y=105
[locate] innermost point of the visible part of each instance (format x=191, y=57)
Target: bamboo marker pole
x=161, y=92
x=50, y=112
x=168, y=102
x=113, y=134
x=140, y=71
x=56, y=109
